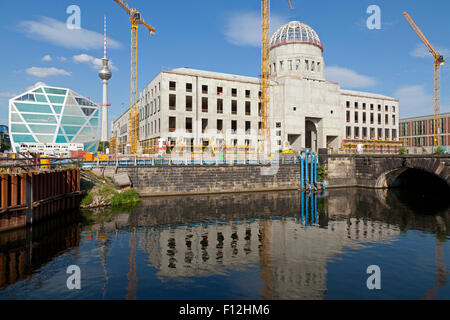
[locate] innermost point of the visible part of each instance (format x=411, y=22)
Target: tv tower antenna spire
x=105, y=74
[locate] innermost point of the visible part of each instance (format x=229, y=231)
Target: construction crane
x=136, y=20
x=438, y=61
x=290, y=5
x=265, y=76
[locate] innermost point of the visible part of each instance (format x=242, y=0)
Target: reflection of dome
x=295, y=32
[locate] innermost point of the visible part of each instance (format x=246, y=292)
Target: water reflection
x=24, y=251
x=289, y=239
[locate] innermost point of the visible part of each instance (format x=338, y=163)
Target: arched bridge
x=381, y=171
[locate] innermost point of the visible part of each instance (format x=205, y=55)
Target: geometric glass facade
x=53, y=115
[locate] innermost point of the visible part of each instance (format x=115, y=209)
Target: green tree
x=103, y=146
x=440, y=150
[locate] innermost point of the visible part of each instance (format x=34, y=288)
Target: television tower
x=105, y=74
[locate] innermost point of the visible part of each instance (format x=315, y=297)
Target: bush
x=125, y=199
x=321, y=174
x=402, y=151
x=439, y=150
x=87, y=199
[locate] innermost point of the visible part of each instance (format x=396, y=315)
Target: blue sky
x=220, y=36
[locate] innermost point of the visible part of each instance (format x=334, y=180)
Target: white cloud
x=57, y=33
x=37, y=84
x=348, y=78
x=7, y=94
x=62, y=59
x=421, y=51
x=95, y=63
x=414, y=101
x=46, y=72
x=244, y=28
x=47, y=58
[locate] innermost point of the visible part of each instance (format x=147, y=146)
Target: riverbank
x=102, y=192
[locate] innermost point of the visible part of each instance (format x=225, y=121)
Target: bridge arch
x=414, y=172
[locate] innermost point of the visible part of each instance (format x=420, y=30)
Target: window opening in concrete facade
x=204, y=89
x=188, y=87
x=233, y=106
x=172, y=101
x=234, y=92
x=204, y=104
x=172, y=86
x=219, y=91
x=189, y=125
x=248, y=127
x=247, y=108
x=219, y=105
x=233, y=126
x=204, y=125
x=172, y=124
x=247, y=93
x=188, y=103
x=219, y=125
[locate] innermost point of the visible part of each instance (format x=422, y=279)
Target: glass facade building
x=53, y=115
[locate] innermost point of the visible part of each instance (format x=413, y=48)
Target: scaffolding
x=374, y=146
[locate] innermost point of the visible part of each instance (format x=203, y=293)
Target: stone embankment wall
x=372, y=171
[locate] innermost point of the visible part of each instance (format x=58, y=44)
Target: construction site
x=289, y=108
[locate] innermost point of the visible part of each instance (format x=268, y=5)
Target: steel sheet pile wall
x=30, y=197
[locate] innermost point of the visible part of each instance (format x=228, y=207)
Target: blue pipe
x=302, y=209
x=315, y=210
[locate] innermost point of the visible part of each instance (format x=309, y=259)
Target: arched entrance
x=310, y=135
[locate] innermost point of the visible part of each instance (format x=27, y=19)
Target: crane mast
x=265, y=76
x=438, y=61
x=136, y=20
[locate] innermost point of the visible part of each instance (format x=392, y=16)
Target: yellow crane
x=290, y=5
x=438, y=61
x=136, y=20
x=265, y=76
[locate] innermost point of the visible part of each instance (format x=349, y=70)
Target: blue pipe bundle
x=308, y=171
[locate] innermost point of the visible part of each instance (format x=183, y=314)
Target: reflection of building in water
x=292, y=257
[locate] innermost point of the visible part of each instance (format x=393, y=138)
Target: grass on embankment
x=101, y=192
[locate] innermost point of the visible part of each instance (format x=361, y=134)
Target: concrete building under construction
x=195, y=107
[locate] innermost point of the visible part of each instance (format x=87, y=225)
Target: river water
x=277, y=245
